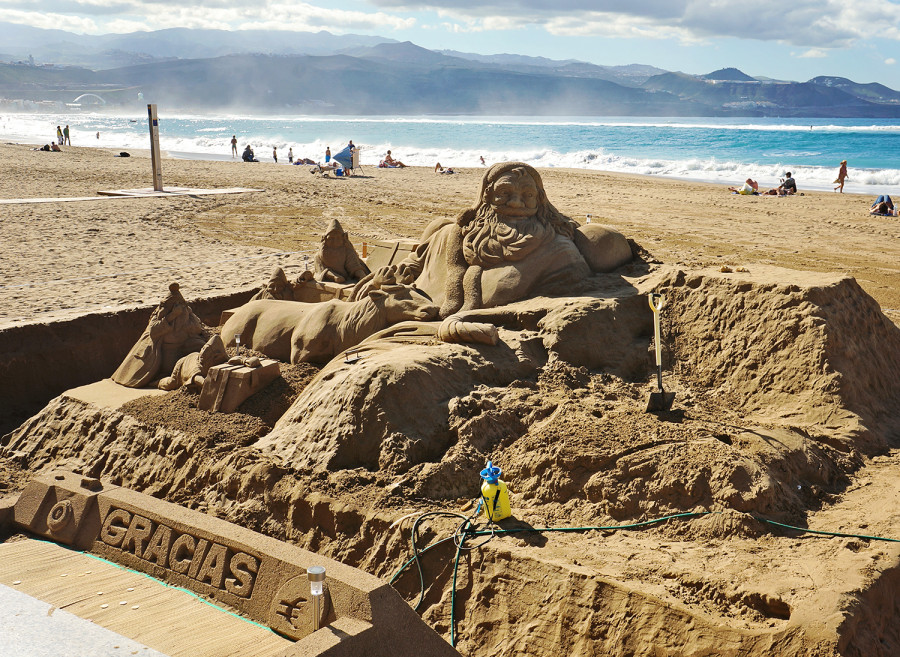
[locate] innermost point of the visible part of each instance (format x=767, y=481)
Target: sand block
x=316, y=291
x=378, y=253
x=109, y=394
x=227, y=386
x=257, y=576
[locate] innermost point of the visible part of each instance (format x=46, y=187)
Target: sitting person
x=883, y=206
x=390, y=163
x=788, y=185
x=750, y=186
x=55, y=148
x=247, y=156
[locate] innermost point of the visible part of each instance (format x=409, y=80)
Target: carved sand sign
x=197, y=558
x=257, y=576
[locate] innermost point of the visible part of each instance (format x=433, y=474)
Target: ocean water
x=703, y=149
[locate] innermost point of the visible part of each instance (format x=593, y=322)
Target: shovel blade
x=660, y=401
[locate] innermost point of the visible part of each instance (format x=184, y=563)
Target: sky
x=787, y=39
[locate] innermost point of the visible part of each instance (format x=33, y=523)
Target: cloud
x=890, y=61
x=813, y=53
x=133, y=15
x=814, y=24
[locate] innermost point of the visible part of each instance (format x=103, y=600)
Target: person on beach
x=233, y=146
x=291, y=155
x=275, y=154
x=59, y=135
x=327, y=154
x=481, y=157
x=788, y=185
x=68, y=142
x=98, y=135
x=390, y=162
x=883, y=206
x=248, y=154
x=55, y=148
x=841, y=177
x=750, y=187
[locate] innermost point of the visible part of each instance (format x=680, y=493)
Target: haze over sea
x=722, y=150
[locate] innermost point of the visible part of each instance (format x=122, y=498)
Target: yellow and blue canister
x=494, y=494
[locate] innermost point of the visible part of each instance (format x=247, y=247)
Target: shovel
x=659, y=400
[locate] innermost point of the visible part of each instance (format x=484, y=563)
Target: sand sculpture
x=191, y=370
x=511, y=245
x=788, y=394
x=316, y=332
x=337, y=260
x=278, y=286
x=172, y=332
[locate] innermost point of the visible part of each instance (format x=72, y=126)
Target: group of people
x=750, y=187
x=62, y=136
x=788, y=185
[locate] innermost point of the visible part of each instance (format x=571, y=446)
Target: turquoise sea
x=707, y=149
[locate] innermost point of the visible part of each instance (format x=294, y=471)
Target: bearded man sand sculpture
x=513, y=244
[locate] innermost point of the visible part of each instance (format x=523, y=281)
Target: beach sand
x=69, y=258
x=786, y=405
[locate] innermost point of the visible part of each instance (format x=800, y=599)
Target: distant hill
x=772, y=98
x=118, y=50
x=730, y=74
x=352, y=85
x=871, y=91
x=306, y=72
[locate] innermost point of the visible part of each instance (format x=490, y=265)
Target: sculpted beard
x=490, y=240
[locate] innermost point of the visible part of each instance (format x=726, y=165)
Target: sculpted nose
x=515, y=200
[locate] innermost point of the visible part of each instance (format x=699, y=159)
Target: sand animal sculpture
x=279, y=287
x=511, y=245
x=337, y=260
x=172, y=332
x=191, y=370
x=316, y=332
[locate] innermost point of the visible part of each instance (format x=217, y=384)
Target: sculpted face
x=514, y=196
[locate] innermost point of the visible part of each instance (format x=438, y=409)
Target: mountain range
x=305, y=72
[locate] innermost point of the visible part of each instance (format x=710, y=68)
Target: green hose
x=463, y=532
x=824, y=533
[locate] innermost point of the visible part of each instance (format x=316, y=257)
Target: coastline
x=713, y=151
x=92, y=256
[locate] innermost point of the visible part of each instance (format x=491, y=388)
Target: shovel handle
x=657, y=301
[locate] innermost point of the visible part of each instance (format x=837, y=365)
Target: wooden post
x=155, y=160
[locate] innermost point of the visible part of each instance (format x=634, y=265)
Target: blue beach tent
x=345, y=159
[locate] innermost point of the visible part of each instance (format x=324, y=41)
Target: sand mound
x=783, y=391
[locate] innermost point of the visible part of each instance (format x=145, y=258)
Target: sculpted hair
x=546, y=213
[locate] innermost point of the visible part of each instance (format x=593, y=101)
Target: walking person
x=233, y=146
x=291, y=155
x=327, y=154
x=275, y=154
x=842, y=176
x=66, y=136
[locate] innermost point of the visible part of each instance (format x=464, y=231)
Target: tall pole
x=155, y=159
